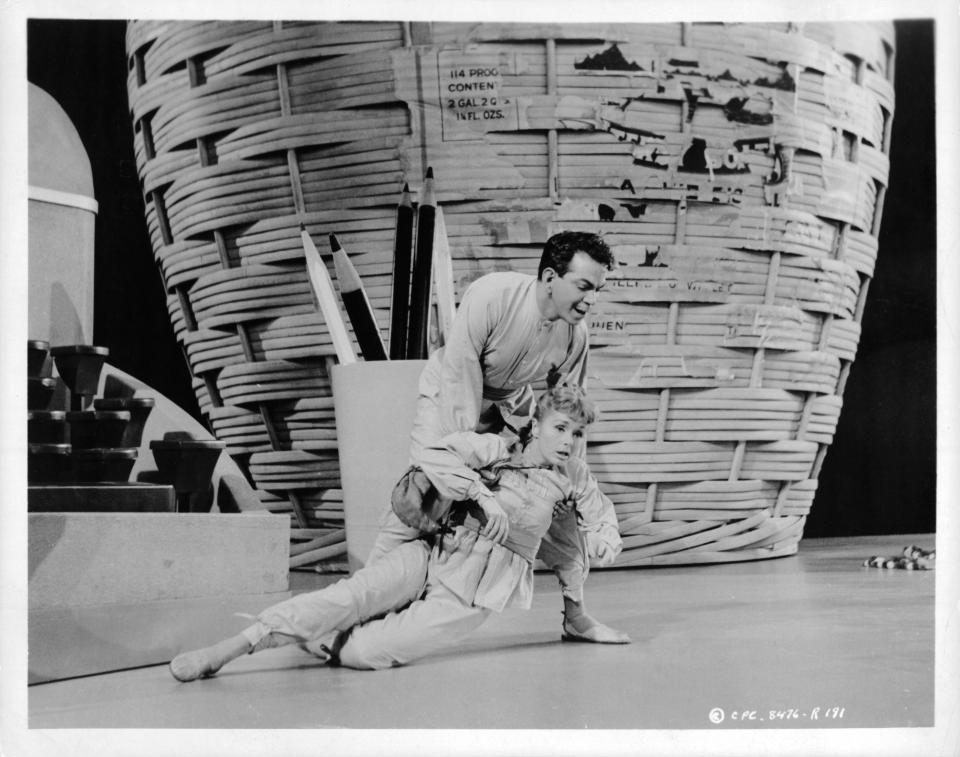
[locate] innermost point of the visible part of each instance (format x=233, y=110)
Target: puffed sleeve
x=452, y=463
x=598, y=519
x=461, y=368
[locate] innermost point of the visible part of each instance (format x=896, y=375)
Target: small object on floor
x=916, y=553
x=911, y=558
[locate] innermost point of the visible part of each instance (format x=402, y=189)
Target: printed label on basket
x=665, y=285
x=655, y=273
x=470, y=95
x=605, y=329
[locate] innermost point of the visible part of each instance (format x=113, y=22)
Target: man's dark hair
x=560, y=249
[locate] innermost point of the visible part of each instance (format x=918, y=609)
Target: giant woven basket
x=737, y=171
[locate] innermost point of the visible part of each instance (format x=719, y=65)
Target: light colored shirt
x=499, y=344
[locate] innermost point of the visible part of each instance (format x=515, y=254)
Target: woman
x=416, y=601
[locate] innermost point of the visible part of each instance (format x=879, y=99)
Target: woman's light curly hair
x=569, y=399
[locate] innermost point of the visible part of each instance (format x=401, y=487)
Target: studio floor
x=809, y=641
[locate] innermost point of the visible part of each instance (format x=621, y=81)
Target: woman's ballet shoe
x=597, y=633
x=190, y=666
x=205, y=662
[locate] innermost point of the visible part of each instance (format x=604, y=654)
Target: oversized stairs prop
x=118, y=578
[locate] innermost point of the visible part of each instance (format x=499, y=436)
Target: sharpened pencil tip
x=430, y=172
x=406, y=187
x=302, y=227
x=334, y=243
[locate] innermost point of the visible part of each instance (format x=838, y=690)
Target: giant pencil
x=357, y=305
x=422, y=264
x=443, y=278
x=400, y=301
x=323, y=289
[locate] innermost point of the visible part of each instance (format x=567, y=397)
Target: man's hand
x=563, y=506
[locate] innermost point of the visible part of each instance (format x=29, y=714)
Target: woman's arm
x=597, y=517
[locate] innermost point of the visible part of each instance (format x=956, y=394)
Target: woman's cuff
x=481, y=494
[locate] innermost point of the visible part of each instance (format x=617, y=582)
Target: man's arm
x=579, y=351
x=461, y=368
x=452, y=464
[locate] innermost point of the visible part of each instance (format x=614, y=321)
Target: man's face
x=576, y=292
x=556, y=435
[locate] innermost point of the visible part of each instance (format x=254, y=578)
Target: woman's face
x=555, y=436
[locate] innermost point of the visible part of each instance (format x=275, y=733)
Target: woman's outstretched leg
x=206, y=661
x=391, y=583
x=388, y=585
x=437, y=622
x=203, y=663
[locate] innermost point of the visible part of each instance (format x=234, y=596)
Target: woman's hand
x=497, y=524
x=603, y=549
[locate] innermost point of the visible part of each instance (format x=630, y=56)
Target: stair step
x=101, y=498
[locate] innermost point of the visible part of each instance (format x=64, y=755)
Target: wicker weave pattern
x=737, y=170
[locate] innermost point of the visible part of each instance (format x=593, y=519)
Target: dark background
x=879, y=476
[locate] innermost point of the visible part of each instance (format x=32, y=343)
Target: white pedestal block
x=109, y=591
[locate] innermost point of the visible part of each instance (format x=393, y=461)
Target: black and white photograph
x=498, y=379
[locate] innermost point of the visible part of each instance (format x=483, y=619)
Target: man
x=511, y=330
